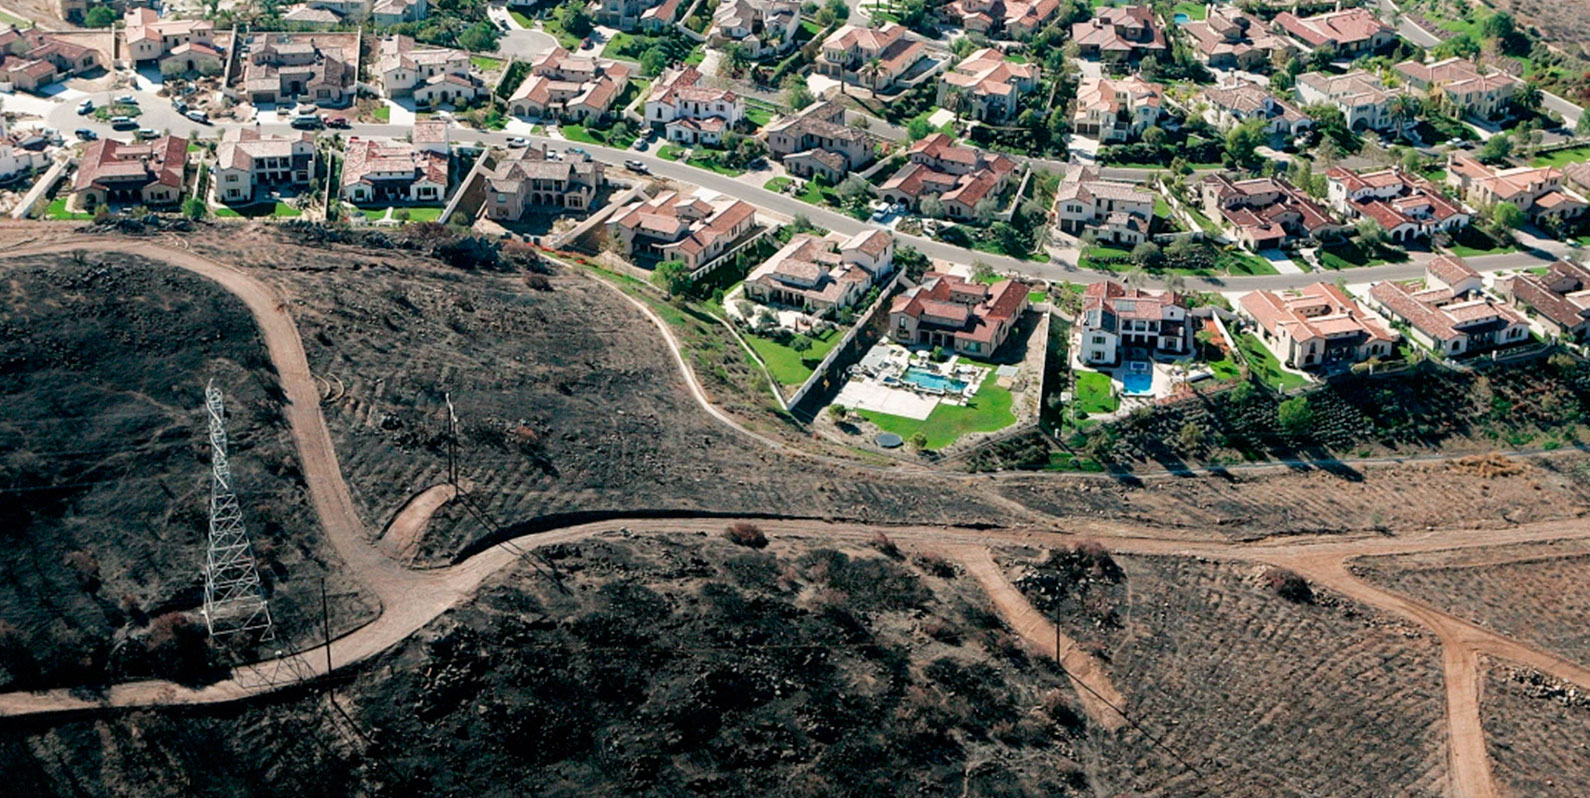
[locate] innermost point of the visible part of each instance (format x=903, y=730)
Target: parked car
x=640, y=145
x=85, y=108
x=198, y=116
x=182, y=107
x=123, y=123
x=127, y=99
x=307, y=122
x=85, y=134
x=146, y=133
x=518, y=141
x=337, y=121
x=637, y=166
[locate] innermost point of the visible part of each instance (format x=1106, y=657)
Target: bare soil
x=1538, y=733
x=104, y=480
x=1534, y=592
x=1262, y=696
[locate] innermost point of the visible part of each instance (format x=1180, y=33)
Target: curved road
x=410, y=599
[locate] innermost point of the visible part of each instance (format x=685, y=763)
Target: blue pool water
x=1180, y=18
x=927, y=379
x=1137, y=380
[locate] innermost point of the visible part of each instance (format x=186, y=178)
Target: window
x=1098, y=339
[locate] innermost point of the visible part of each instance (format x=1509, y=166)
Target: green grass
x=1354, y=255
x=18, y=22
x=417, y=213
x=260, y=209
x=988, y=410
x=1091, y=254
x=700, y=162
x=1262, y=363
x=522, y=19
x=1225, y=369
x=566, y=40
x=789, y=367
x=1238, y=262
x=1562, y=157
x=670, y=152
x=1192, y=10
x=777, y=183
x=759, y=115
x=383, y=113
x=1016, y=58
x=618, y=46
x=485, y=63
x=697, y=55
x=57, y=211
x=104, y=112
x=582, y=134
x=1203, y=221
x=1471, y=242
x=194, y=146
x=1095, y=393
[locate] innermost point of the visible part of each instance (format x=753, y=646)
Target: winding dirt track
x=410, y=599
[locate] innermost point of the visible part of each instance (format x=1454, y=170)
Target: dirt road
x=411, y=599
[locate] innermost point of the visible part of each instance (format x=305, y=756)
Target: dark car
x=86, y=135
x=307, y=122
x=337, y=121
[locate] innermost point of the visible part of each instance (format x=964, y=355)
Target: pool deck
x=880, y=398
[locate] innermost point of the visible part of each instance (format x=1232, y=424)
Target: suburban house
x=816, y=140
x=1012, y=18
x=1117, y=320
x=380, y=171
x=991, y=85
x=1364, y=101
x=960, y=315
x=19, y=154
x=690, y=230
x=960, y=177
x=1559, y=299
x=1228, y=38
x=1117, y=109
x=287, y=70
x=628, y=14
x=763, y=27
x=1317, y=325
x=1405, y=204
x=873, y=58
x=1484, y=94
x=1239, y=101
x=527, y=180
x=307, y=17
x=1348, y=33
x=431, y=75
x=147, y=173
x=690, y=112
x=1537, y=191
x=30, y=59
x=149, y=38
x=1266, y=212
x=1119, y=213
x=245, y=159
x=564, y=86
x=822, y=275
x=1120, y=33
x=1450, y=314
x=393, y=12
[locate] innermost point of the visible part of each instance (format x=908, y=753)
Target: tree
x=796, y=95
x=869, y=74
x=854, y=188
x=194, y=208
x=1582, y=127
x=932, y=207
x=736, y=58
x=1295, y=416
x=1154, y=136
x=1507, y=216
x=1496, y=149
x=1403, y=108
x=1207, y=341
x=671, y=276
x=1243, y=142
x=653, y=61
x=100, y=16
x=838, y=411
x=1528, y=96
x=1370, y=232
x=480, y=37
x=919, y=441
x=1190, y=438
x=574, y=20
x=1411, y=160
x=919, y=128
x=1148, y=255
x=801, y=344
x=985, y=209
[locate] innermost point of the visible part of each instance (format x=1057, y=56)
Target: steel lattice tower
x=233, y=599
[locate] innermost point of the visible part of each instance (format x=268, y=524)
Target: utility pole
x=234, y=600
x=452, y=441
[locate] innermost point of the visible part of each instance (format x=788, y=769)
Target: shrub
x=882, y=543
x=1290, y=585
x=742, y=533
x=86, y=568
x=936, y=564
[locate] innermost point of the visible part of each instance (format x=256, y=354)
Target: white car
x=518, y=141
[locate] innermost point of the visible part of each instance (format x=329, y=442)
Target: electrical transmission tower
x=233, y=599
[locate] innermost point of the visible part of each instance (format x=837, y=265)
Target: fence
x=840, y=357
x=29, y=205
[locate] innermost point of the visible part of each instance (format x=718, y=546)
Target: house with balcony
x=381, y=171
x=1406, y=205
x=690, y=112
x=1364, y=101
x=991, y=85
x=961, y=177
x=294, y=68
x=1538, y=191
x=572, y=87
x=431, y=75
x=820, y=276
x=816, y=140
x=1118, y=321
x=959, y=315
x=690, y=230
x=873, y=58
x=1228, y=38
x=765, y=28
x=1117, y=110
x=1120, y=33
x=1317, y=326
x=528, y=181
x=151, y=39
x=1010, y=19
x=247, y=160
x=1345, y=34
x=1449, y=312
x=1238, y=101
x=1118, y=213
x=1486, y=94
x=1267, y=212
x=1558, y=299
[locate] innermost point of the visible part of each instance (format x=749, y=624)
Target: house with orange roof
x=1450, y=313
x=147, y=173
x=1117, y=109
x=1406, y=205
x=961, y=177
x=1348, y=33
x=1363, y=99
x=763, y=27
x=993, y=85
x=820, y=276
x=690, y=230
x=1117, y=320
x=691, y=112
x=431, y=75
x=246, y=159
x=1266, y=212
x=150, y=38
x=1238, y=101
x=874, y=58
x=960, y=315
x=1120, y=33
x=1487, y=94
x=1317, y=325
x=1537, y=191
x=1560, y=298
x=628, y=14
x=1013, y=19
x=381, y=171
x=1228, y=38
x=816, y=140
x=31, y=59
x=562, y=85
x=1118, y=213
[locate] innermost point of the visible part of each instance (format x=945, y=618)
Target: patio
x=897, y=381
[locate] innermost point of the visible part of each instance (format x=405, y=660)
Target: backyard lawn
x=1095, y=394
x=777, y=183
x=1262, y=362
x=1562, y=158
x=788, y=366
x=988, y=411
x=1471, y=242
x=383, y=113
x=416, y=213
x=485, y=63
x=261, y=209
x=760, y=115
x=57, y=211
x=1192, y=10
x=1353, y=255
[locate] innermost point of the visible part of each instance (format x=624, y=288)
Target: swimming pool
x=1137, y=379
x=922, y=378
x=1180, y=18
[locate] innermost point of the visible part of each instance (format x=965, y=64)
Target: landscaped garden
x=263, y=209
x=1561, y=158
x=1263, y=364
x=788, y=365
x=1356, y=254
x=416, y=213
x=57, y=211
x=1095, y=394
x=989, y=410
x=1197, y=260
x=1471, y=241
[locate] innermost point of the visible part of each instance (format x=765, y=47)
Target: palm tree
x=870, y=72
x=1528, y=96
x=954, y=98
x=1403, y=108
